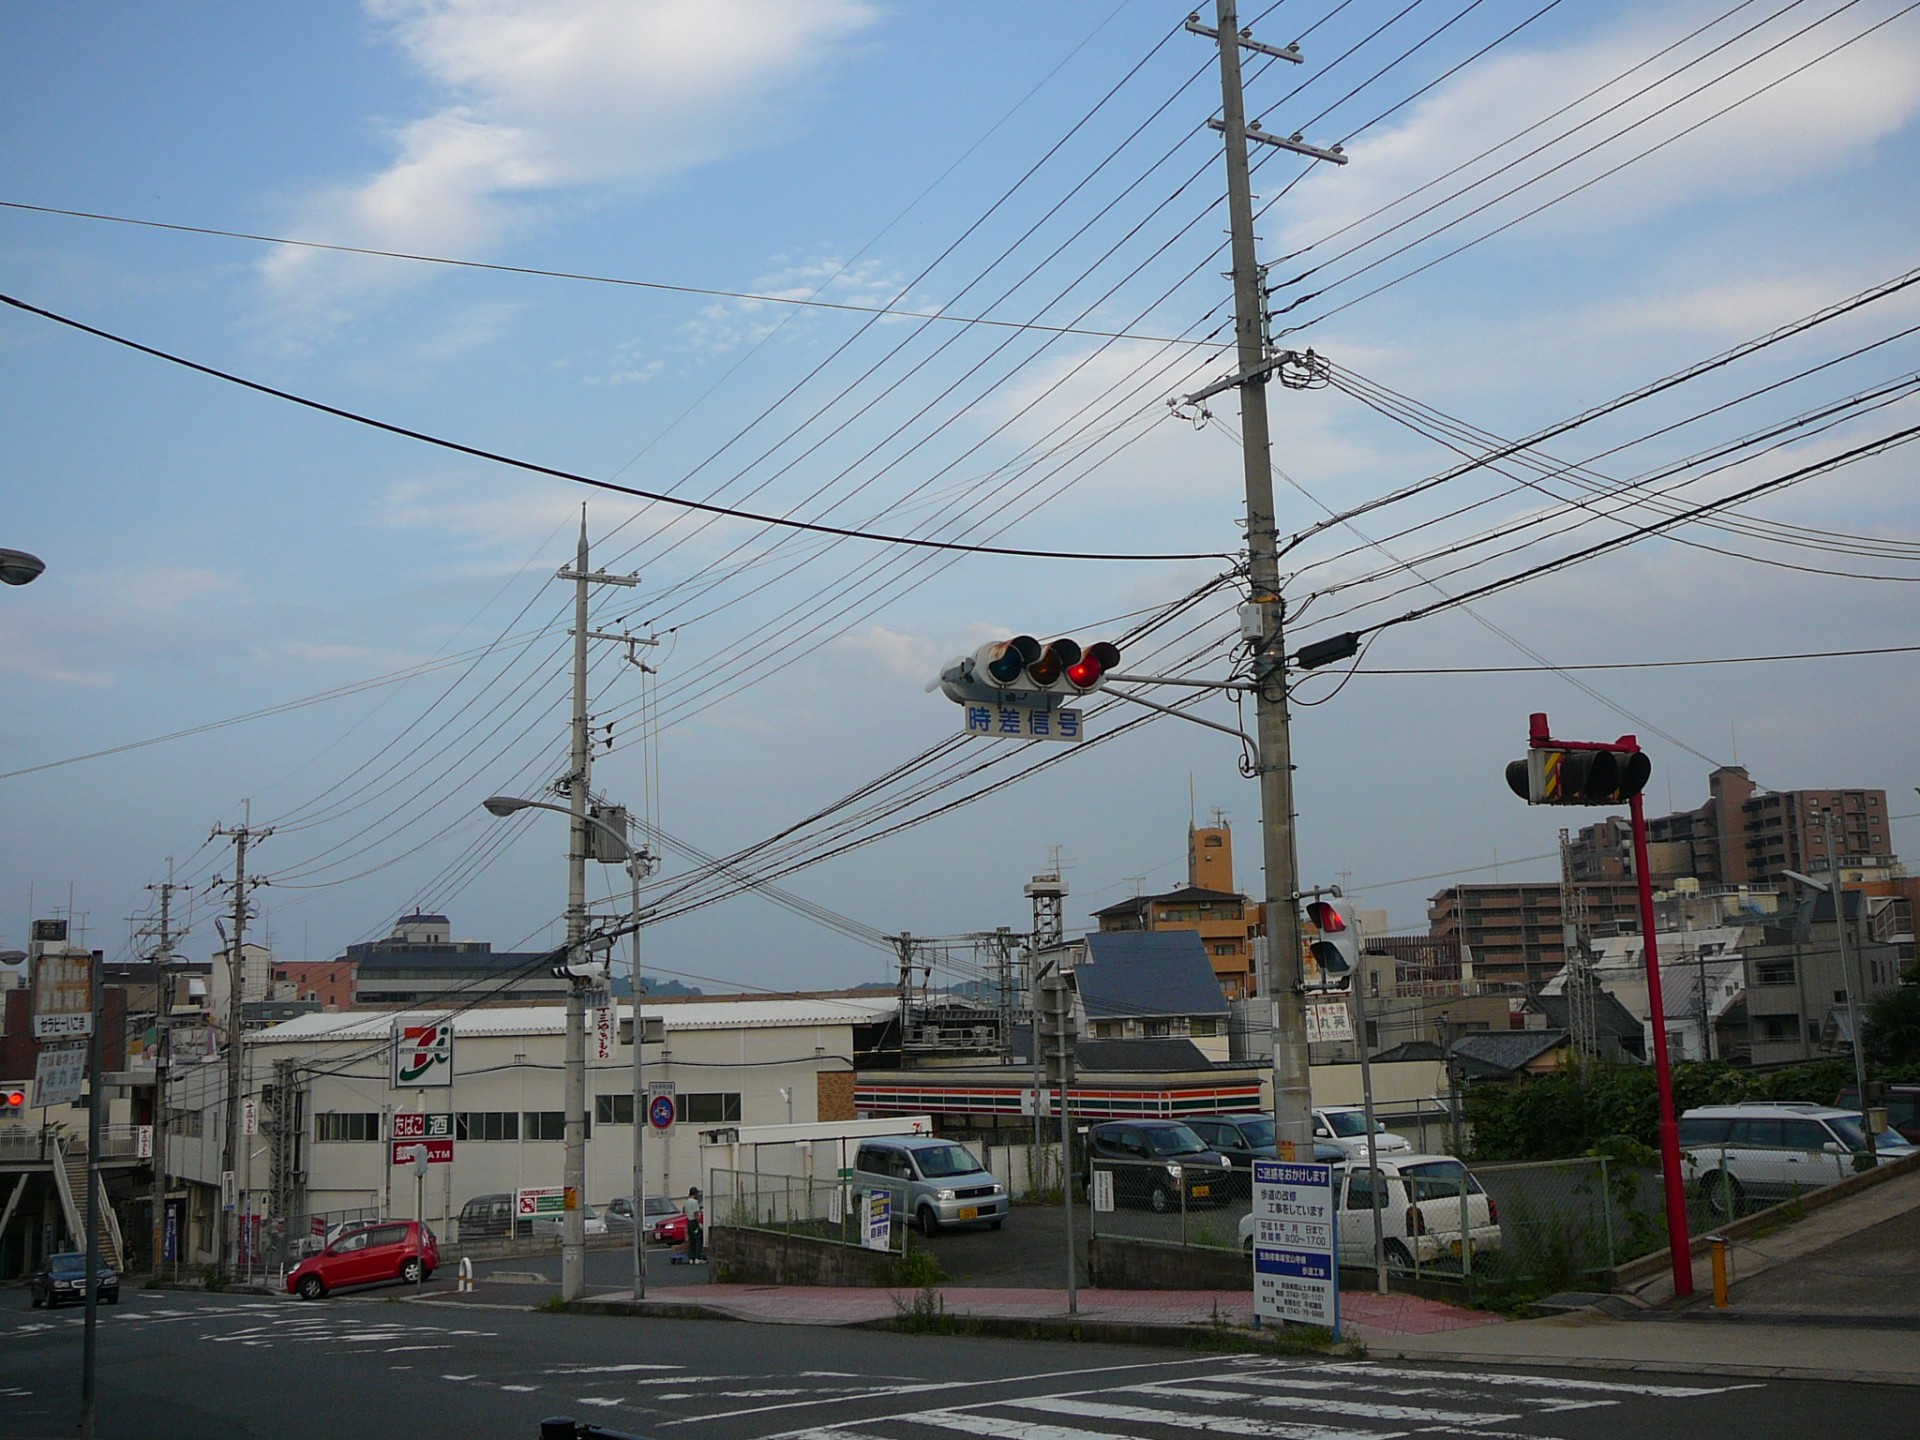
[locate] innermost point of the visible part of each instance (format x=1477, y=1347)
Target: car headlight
x=1173, y=1170
x=999, y=1189
x=1226, y=1162
x=943, y=1195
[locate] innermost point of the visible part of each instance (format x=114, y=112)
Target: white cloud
x=485, y=514
x=539, y=100
x=1831, y=114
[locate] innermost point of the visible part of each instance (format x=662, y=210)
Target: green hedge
x=1554, y=1117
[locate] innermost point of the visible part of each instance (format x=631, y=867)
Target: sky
x=1006, y=222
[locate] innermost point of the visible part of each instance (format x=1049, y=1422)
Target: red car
x=366, y=1255
x=670, y=1231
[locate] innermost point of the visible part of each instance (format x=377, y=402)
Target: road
x=209, y=1367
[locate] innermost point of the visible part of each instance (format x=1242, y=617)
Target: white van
x=1739, y=1156
x=940, y=1182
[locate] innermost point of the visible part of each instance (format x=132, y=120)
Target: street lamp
x=17, y=567
x=573, y=1236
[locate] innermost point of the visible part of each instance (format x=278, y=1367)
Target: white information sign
x=62, y=994
x=1013, y=722
x=1295, y=1276
x=57, y=1075
x=1103, y=1191
x=876, y=1209
x=143, y=1142
x=603, y=1033
x=1329, y=1020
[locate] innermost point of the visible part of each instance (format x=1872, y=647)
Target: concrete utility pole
x=1853, y=991
x=231, y=1149
x=162, y=1008
x=573, y=1240
x=1292, y=1091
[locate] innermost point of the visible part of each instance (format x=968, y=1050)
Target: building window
x=340, y=1127
x=1203, y=1025
x=1159, y=1029
x=184, y=1122
x=613, y=1109
x=714, y=1108
x=546, y=1125
x=486, y=1125
x=1773, y=972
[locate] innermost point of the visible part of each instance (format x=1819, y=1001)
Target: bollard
x=1718, y=1243
x=466, y=1274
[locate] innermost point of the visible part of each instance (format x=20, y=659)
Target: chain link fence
x=838, y=1212
x=1167, y=1203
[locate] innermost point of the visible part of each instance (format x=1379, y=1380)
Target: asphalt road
x=209, y=1367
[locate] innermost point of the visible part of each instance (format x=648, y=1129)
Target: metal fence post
x=1606, y=1212
x=1466, y=1230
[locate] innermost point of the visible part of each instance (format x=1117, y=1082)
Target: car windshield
x=1439, y=1180
x=1351, y=1122
x=1173, y=1140
x=1257, y=1133
x=1855, y=1138
x=68, y=1264
x=661, y=1205
x=939, y=1161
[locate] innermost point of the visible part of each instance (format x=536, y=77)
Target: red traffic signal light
x=1022, y=671
x=1337, y=950
x=1091, y=668
x=13, y=1102
x=1551, y=775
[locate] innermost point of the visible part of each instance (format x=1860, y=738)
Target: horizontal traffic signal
x=1554, y=776
x=1022, y=671
x=13, y=1102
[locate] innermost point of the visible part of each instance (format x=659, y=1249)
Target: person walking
x=696, y=1227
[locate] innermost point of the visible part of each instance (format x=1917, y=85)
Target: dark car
x=1902, y=1102
x=64, y=1277
x=1243, y=1139
x=384, y=1250
x=1157, y=1163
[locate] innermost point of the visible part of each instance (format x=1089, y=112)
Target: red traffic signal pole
x=1679, y=1243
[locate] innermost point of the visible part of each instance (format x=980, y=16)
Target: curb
x=1647, y=1367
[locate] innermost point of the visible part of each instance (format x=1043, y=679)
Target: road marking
x=474, y=1376
x=521, y=1389
x=1142, y=1414
x=1421, y=1413
x=1544, y=1382
x=615, y=1370
x=921, y=1389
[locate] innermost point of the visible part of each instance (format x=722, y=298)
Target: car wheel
x=1722, y=1193
x=111, y=1297
x=34, y=1302
x=312, y=1287
x=928, y=1221
x=410, y=1270
x=1160, y=1200
x=1398, y=1256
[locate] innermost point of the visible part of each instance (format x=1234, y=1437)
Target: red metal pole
x=1678, y=1241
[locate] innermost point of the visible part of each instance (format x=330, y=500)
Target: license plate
x=969, y=1212
x=1454, y=1248
x=1201, y=1192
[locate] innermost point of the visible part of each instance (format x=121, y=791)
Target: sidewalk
x=1157, y=1315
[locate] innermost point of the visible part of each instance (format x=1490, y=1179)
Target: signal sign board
x=1016, y=722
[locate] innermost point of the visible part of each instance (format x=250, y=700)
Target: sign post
x=1295, y=1248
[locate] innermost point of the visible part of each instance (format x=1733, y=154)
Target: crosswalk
x=1287, y=1400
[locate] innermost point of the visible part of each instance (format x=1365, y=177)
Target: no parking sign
x=660, y=1105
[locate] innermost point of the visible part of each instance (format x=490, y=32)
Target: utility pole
x=231, y=1149
x=1264, y=617
x=573, y=1241
x=162, y=1016
x=1846, y=977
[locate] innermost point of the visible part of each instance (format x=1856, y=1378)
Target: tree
x=1891, y=1032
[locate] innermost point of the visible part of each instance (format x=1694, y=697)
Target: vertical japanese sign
x=1295, y=1273
x=876, y=1207
x=62, y=995
x=603, y=1033
x=422, y=1055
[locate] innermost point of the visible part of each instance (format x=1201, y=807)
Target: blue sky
x=214, y=552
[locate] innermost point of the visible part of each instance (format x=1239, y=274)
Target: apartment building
x=1514, y=934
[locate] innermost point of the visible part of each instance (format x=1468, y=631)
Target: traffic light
x=13, y=1102
x=1337, y=950
x=1554, y=776
x=1022, y=671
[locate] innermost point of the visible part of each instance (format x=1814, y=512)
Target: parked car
x=1346, y=1125
x=1902, y=1103
x=595, y=1224
x=659, y=1207
x=488, y=1217
x=386, y=1250
x=1737, y=1156
x=1157, y=1162
x=943, y=1182
x=670, y=1229
x=1420, y=1213
x=64, y=1277
x=1242, y=1139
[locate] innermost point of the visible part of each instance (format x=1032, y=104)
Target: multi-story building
x=328, y=983
x=1514, y=934
x=1743, y=835
x=1226, y=920
x=421, y=964
x=1797, y=993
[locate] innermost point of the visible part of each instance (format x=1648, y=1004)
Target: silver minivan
x=936, y=1182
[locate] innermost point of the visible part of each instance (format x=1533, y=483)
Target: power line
x=1644, y=664
x=575, y=478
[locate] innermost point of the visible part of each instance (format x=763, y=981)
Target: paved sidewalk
x=1364, y=1315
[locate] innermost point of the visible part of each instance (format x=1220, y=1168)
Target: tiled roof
x=1129, y=974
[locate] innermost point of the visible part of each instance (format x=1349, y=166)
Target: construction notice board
x=1295, y=1269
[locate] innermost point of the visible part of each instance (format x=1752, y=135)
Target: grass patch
x=926, y=1314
